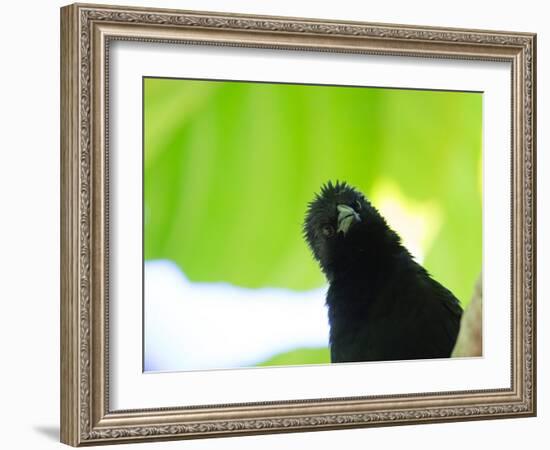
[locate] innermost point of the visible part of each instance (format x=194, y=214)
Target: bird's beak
x=346, y=216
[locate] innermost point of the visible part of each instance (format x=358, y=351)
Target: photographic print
x=293, y=224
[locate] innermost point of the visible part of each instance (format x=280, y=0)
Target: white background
x=29, y=238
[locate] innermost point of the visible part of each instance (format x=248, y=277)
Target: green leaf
x=299, y=356
x=230, y=167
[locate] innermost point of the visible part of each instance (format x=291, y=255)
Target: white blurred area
x=193, y=326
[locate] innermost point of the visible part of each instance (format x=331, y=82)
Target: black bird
x=382, y=305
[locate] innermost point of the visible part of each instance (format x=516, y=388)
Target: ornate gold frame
x=86, y=31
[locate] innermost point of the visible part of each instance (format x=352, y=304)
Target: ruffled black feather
x=382, y=305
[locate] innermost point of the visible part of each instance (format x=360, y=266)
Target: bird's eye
x=357, y=205
x=328, y=230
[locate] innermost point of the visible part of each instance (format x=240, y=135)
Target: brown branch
x=470, y=337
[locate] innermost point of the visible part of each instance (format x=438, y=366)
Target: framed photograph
x=275, y=224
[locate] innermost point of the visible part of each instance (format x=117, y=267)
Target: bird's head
x=341, y=225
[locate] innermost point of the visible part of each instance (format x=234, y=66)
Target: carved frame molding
x=86, y=31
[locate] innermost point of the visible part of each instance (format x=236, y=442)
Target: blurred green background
x=229, y=168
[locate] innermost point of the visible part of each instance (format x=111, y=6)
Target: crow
x=382, y=305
